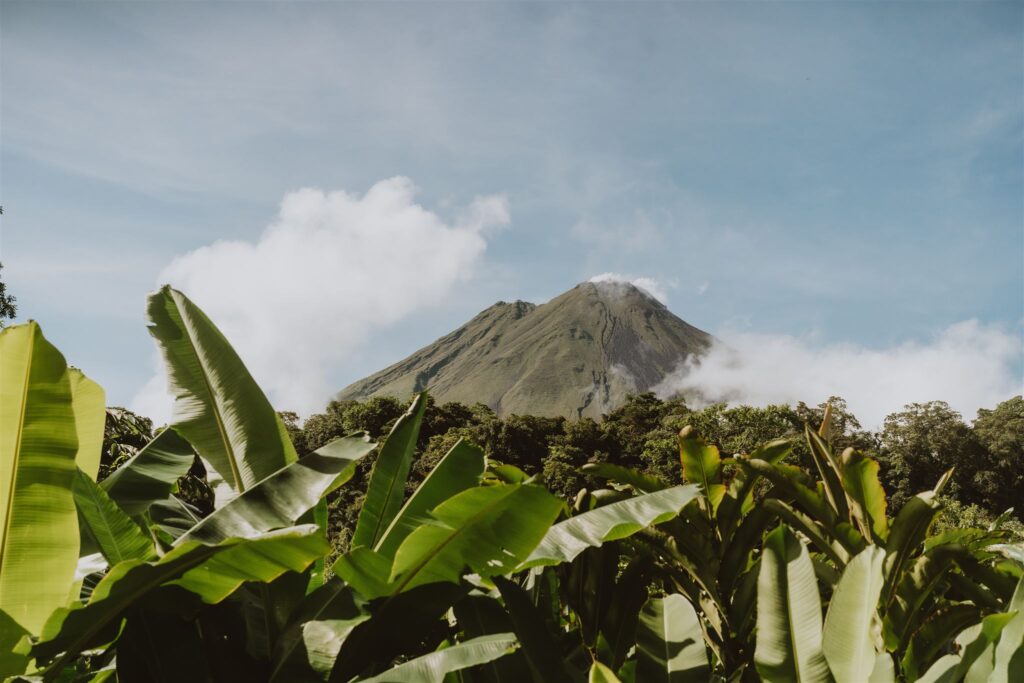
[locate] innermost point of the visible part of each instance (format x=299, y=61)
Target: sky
x=832, y=189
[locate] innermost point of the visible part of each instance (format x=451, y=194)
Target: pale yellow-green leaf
x=38, y=444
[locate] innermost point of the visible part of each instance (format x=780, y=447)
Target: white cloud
x=329, y=271
x=703, y=287
x=648, y=284
x=968, y=365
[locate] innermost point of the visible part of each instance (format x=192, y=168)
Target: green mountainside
x=577, y=355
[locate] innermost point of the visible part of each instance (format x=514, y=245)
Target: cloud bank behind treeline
x=969, y=365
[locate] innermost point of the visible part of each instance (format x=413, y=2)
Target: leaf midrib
x=416, y=569
x=186, y=322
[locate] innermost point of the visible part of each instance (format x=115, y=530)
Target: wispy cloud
x=332, y=269
x=652, y=286
x=969, y=365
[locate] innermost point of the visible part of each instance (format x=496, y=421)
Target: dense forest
x=914, y=447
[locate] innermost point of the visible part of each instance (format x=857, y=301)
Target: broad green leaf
x=624, y=475
x=110, y=530
x=907, y=532
x=280, y=499
x=935, y=634
x=173, y=516
x=788, y=613
x=150, y=474
x=38, y=446
x=365, y=570
x=460, y=469
x=539, y=646
x=398, y=625
x=739, y=496
x=218, y=407
x=828, y=470
x=805, y=525
x=482, y=615
x=488, y=530
x=619, y=623
x=790, y=480
x=211, y=571
x=670, y=642
x=860, y=480
x=14, y=647
x=914, y=591
x=847, y=640
x=567, y=539
x=386, y=490
x=431, y=668
x=321, y=517
x=883, y=671
x=1009, y=654
x=316, y=632
x=941, y=671
x=702, y=465
x=322, y=640
x=599, y=673
x=977, y=649
x=89, y=403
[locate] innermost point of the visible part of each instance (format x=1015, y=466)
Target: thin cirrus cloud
x=333, y=268
x=969, y=365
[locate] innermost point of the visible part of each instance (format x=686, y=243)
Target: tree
x=8, y=309
x=924, y=440
x=1001, y=433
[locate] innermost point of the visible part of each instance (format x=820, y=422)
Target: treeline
x=915, y=445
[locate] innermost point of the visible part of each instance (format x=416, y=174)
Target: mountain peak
x=578, y=355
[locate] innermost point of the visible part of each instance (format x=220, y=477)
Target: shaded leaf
x=111, y=531
x=670, y=642
x=151, y=473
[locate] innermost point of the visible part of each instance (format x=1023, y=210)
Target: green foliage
x=8, y=303
x=670, y=553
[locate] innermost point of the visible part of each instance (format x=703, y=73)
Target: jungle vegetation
x=662, y=544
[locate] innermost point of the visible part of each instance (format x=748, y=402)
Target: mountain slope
x=577, y=355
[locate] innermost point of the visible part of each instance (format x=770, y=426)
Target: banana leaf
x=38, y=445
x=487, y=530
x=150, y=475
x=789, y=626
x=88, y=400
x=282, y=498
x=670, y=643
x=565, y=540
x=218, y=407
x=460, y=469
x=106, y=527
x=211, y=571
x=433, y=667
x=847, y=641
x=386, y=490
x=702, y=465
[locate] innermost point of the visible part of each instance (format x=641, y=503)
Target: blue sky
x=843, y=175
